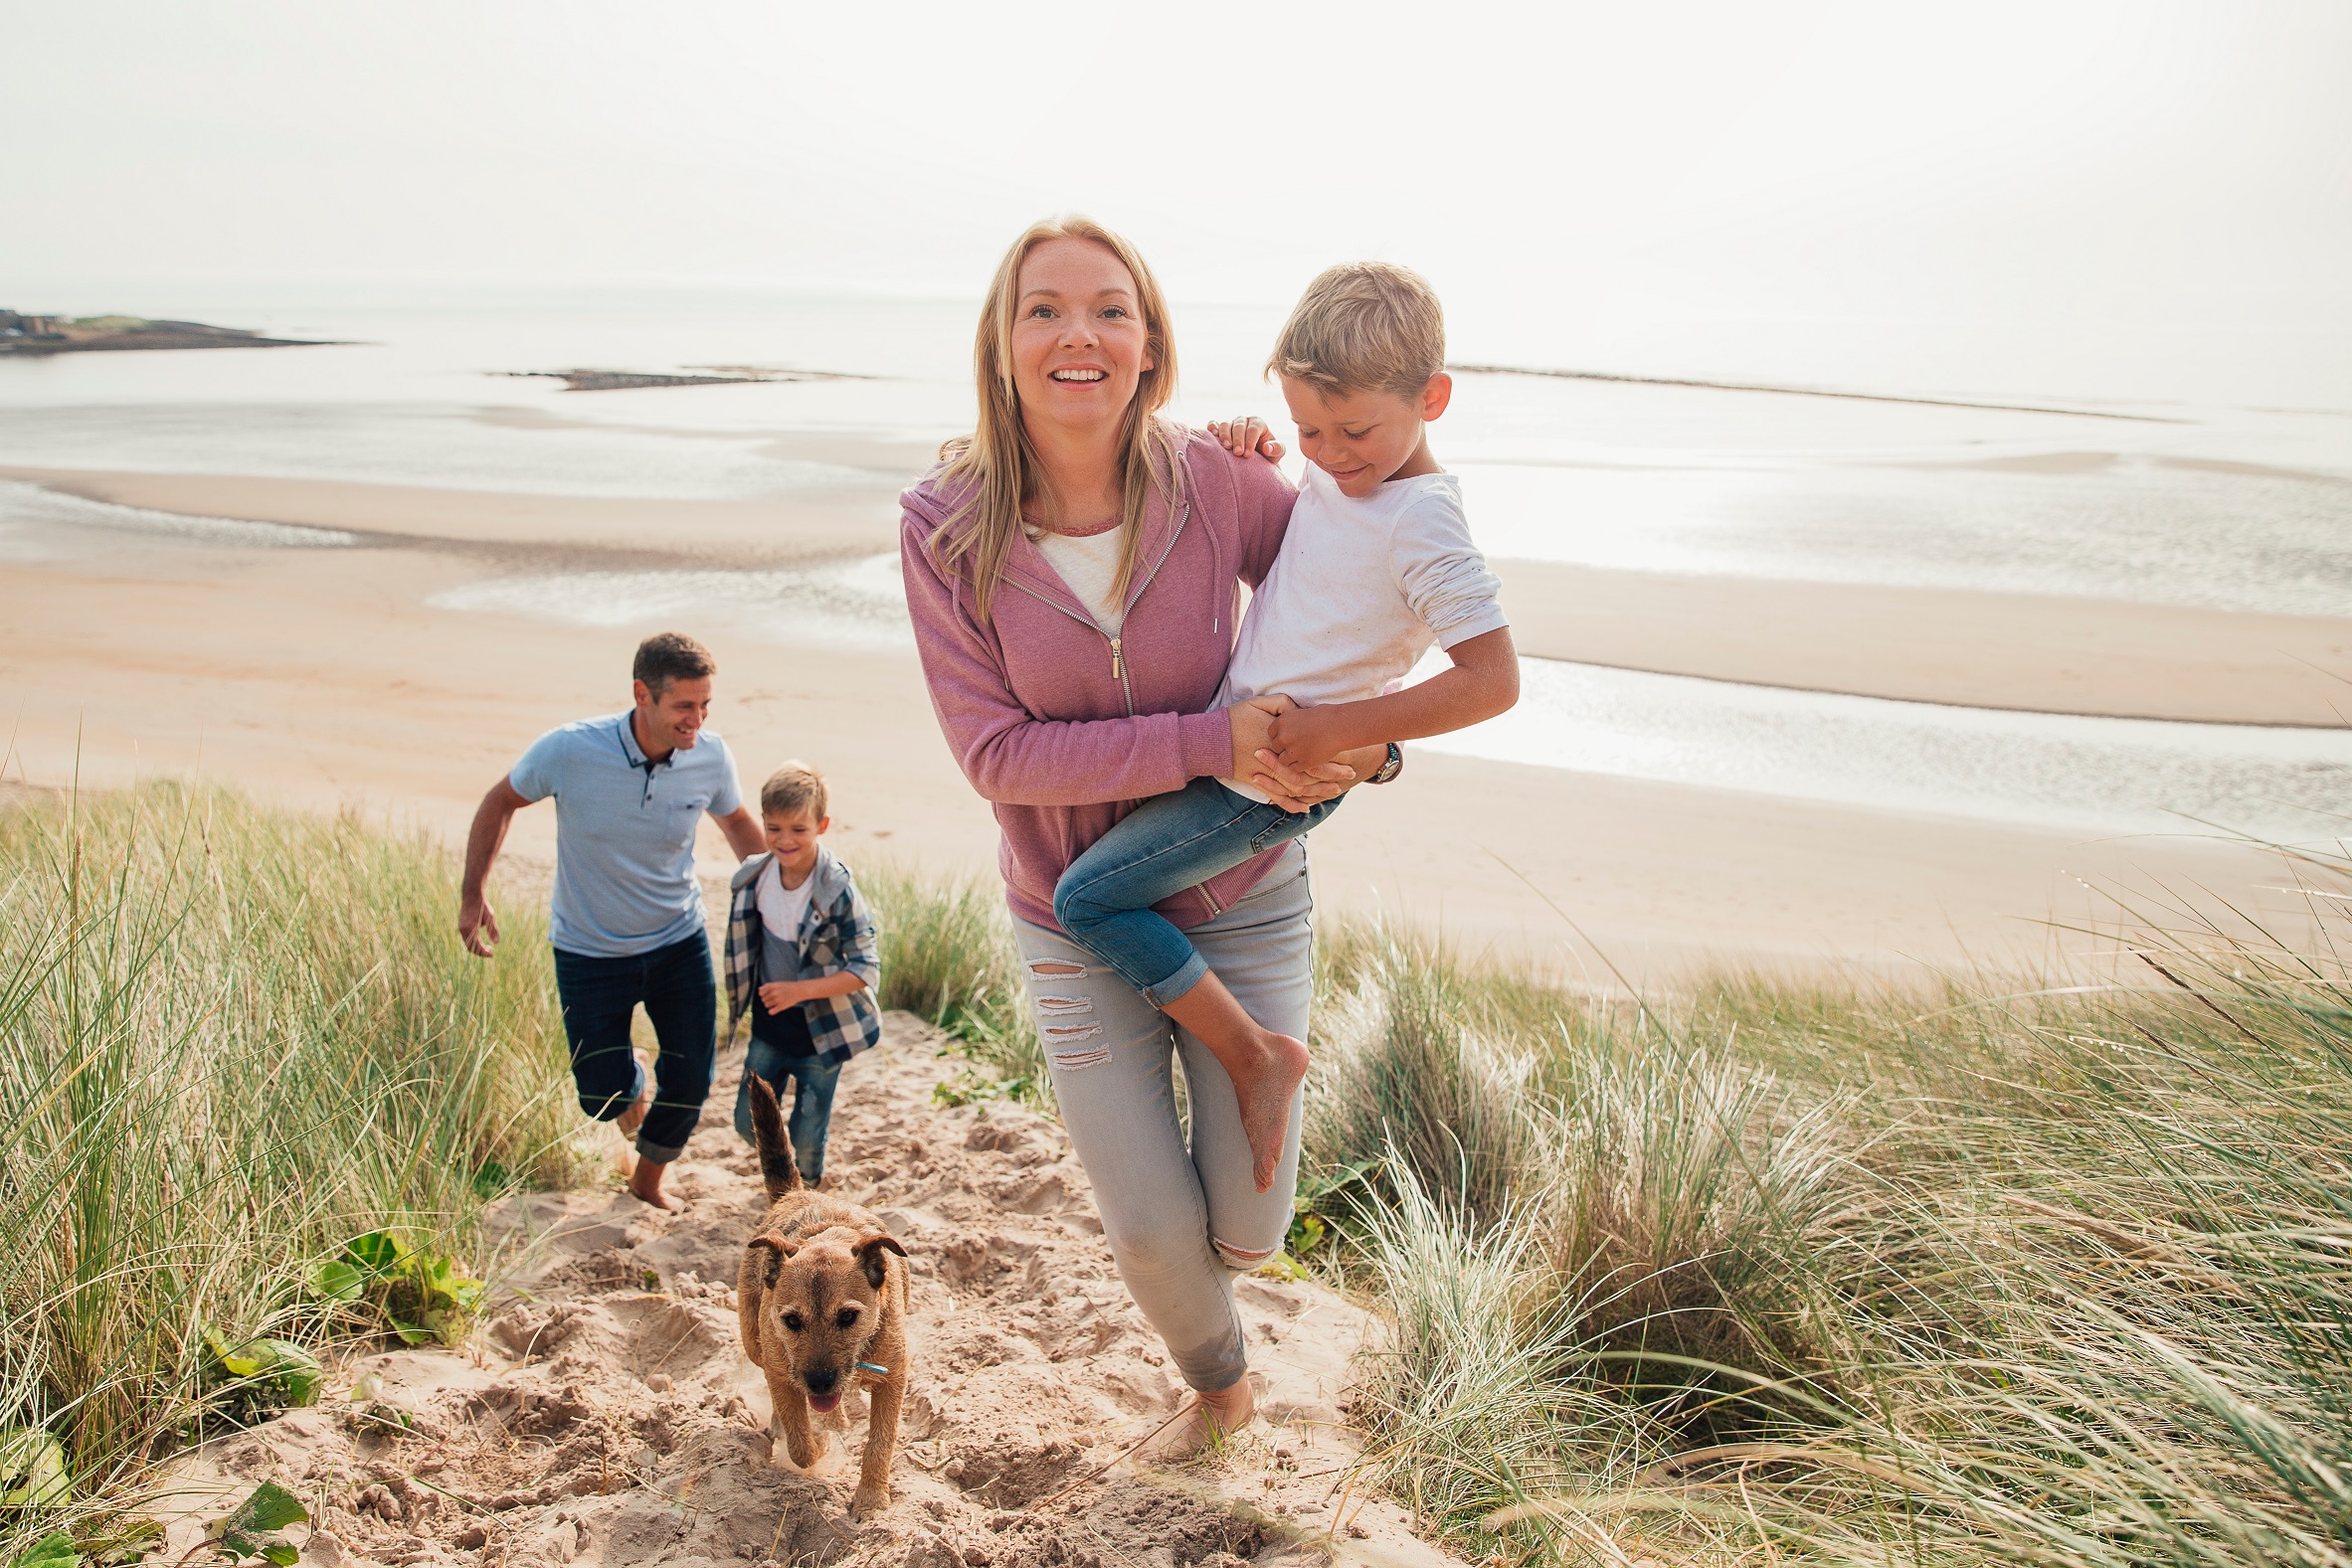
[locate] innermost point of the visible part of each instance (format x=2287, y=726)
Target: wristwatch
x=1392, y=768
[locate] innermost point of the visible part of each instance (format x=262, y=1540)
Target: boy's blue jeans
x=812, y=1105
x=1170, y=842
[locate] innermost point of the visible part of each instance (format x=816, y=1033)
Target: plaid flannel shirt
x=836, y=933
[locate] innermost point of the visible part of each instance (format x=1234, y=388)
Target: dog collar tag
x=869, y=1366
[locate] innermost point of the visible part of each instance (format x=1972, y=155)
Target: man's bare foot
x=1265, y=1097
x=645, y=1184
x=1206, y=1419
x=634, y=1117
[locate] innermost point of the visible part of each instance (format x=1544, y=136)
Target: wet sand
x=322, y=678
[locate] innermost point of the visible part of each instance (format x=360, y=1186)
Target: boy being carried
x=1377, y=565
x=801, y=960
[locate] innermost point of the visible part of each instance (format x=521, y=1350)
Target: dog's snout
x=820, y=1380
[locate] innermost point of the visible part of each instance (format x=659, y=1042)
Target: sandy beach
x=323, y=679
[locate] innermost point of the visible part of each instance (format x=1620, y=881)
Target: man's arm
x=477, y=928
x=744, y=835
x=1483, y=682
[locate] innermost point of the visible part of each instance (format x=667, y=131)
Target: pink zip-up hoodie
x=1066, y=730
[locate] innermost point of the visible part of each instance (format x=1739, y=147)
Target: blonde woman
x=1074, y=571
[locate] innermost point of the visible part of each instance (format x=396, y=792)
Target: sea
x=1838, y=452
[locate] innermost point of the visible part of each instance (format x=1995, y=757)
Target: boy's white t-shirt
x=1359, y=591
x=780, y=908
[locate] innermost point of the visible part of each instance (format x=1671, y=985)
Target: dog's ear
x=777, y=1249
x=869, y=1250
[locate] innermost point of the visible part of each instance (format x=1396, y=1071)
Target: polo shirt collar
x=633, y=752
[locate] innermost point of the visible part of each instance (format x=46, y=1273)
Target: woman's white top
x=1089, y=565
x=1359, y=591
x=780, y=908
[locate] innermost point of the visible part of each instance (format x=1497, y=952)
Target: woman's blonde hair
x=998, y=467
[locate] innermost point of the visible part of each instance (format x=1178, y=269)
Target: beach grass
x=1767, y=1271
x=1990, y=1270
x=232, y=1042
x=948, y=958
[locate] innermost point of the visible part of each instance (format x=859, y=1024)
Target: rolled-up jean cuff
x=1191, y=972
x=659, y=1154
x=615, y=1108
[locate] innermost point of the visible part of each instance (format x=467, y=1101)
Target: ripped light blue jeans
x=1182, y=1216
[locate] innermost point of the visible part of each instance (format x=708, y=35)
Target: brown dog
x=822, y=1301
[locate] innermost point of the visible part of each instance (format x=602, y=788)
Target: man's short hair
x=672, y=655
x=1363, y=326
x=794, y=788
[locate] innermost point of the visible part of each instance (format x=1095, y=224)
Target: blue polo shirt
x=625, y=833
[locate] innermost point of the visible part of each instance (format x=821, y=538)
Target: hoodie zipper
x=1118, y=649
x=1117, y=652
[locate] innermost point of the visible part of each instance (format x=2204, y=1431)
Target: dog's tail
x=777, y=1167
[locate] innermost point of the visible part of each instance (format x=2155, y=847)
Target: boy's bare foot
x=645, y=1184
x=1265, y=1097
x=1266, y=1068
x=1206, y=1418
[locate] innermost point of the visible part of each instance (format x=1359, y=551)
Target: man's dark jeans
x=681, y=999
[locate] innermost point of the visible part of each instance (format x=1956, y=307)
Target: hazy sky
x=2145, y=161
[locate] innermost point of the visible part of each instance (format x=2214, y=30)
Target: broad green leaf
x=338, y=1282
x=296, y=1371
x=251, y=1529
x=378, y=1252
x=412, y=1333
x=51, y=1551
x=33, y=1470
x=281, y=1554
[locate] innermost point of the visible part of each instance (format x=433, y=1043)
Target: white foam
x=858, y=603
x=34, y=510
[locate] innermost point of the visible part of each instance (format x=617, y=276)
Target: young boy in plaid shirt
x=802, y=958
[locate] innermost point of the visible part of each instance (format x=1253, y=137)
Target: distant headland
x=23, y=334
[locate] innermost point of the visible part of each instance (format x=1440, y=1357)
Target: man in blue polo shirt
x=626, y=919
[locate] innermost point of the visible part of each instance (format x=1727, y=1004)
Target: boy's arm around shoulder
x=1266, y=501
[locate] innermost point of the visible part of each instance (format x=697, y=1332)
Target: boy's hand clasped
x=776, y=995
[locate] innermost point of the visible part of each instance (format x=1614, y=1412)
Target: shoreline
x=2013, y=652
x=325, y=680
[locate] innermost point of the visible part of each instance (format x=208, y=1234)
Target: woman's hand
x=1246, y=435
x=1292, y=788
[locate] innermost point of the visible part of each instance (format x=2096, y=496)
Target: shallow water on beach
x=2159, y=501
x=859, y=604
x=2061, y=771
x=45, y=525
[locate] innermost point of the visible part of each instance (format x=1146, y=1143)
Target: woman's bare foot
x=1266, y=1068
x=645, y=1184
x=1207, y=1420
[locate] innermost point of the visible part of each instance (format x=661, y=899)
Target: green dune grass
x=230, y=1042
x=1755, y=1273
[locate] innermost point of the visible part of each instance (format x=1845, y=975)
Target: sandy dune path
x=604, y=1414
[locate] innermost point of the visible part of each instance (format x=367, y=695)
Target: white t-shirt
x=1360, y=591
x=1090, y=567
x=780, y=908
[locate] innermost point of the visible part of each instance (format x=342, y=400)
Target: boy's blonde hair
x=796, y=786
x=1363, y=326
